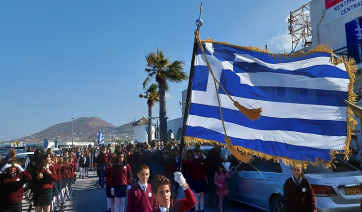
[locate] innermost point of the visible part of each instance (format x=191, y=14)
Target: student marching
x=136, y=178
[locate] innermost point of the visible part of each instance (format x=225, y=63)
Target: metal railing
x=354, y=51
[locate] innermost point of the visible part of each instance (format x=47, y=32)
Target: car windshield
x=338, y=165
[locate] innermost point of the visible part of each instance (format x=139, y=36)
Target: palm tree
x=164, y=71
x=152, y=96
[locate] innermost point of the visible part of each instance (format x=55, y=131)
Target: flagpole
x=188, y=96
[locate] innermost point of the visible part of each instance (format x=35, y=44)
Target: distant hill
x=81, y=126
x=84, y=129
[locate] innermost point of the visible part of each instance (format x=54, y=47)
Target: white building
x=140, y=130
x=339, y=24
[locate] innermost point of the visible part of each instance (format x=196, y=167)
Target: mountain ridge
x=84, y=129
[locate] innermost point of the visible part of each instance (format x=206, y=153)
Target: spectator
x=170, y=167
x=134, y=161
x=102, y=161
x=111, y=148
x=221, y=187
x=154, y=159
x=162, y=147
x=174, y=146
x=11, y=156
x=213, y=156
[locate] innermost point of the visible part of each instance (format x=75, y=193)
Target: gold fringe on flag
x=244, y=154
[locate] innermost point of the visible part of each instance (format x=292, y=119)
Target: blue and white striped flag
x=302, y=99
x=100, y=138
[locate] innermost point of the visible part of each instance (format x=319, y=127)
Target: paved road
x=89, y=198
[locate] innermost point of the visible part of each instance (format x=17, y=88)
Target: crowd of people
x=120, y=167
x=141, y=177
x=49, y=177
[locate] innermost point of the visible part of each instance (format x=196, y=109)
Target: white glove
x=8, y=165
x=129, y=187
x=19, y=167
x=179, y=178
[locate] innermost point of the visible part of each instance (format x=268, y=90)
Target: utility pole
x=72, y=133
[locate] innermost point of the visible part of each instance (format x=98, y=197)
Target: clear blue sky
x=63, y=58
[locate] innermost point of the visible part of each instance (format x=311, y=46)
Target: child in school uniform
x=110, y=197
x=56, y=193
x=43, y=180
x=140, y=195
x=63, y=179
x=199, y=165
x=68, y=170
x=161, y=191
x=298, y=193
x=187, y=170
x=60, y=181
x=12, y=179
x=121, y=181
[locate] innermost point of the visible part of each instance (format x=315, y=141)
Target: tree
x=152, y=96
x=164, y=71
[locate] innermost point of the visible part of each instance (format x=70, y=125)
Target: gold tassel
x=252, y=114
x=235, y=152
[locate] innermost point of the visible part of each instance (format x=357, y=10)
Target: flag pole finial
x=199, y=20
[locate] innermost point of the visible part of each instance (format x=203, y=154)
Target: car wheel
x=276, y=204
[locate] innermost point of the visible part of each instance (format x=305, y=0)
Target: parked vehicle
x=23, y=158
x=260, y=185
x=57, y=152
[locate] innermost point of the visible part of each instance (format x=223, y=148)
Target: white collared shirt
x=139, y=183
x=297, y=183
x=162, y=209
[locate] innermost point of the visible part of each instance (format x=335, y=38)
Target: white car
x=260, y=185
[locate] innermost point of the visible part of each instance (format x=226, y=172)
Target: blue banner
x=100, y=138
x=46, y=143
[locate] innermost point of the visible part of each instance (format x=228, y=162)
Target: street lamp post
x=72, y=133
x=157, y=130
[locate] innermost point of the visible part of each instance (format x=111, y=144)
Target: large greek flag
x=302, y=99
